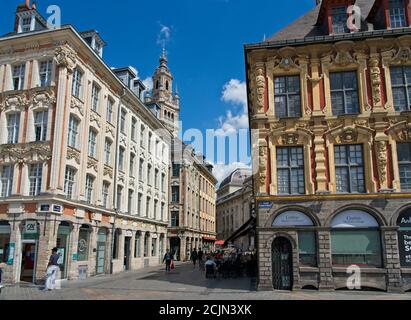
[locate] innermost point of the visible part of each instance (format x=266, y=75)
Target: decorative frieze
x=92, y=163
x=108, y=171
x=73, y=154
x=24, y=153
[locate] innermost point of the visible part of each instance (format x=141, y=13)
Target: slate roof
x=305, y=26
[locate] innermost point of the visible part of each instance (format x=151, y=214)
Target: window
x=132, y=164
x=149, y=178
x=163, y=182
x=344, y=93
x=69, y=182
x=6, y=180
x=155, y=209
x=77, y=79
x=176, y=170
x=397, y=14
x=150, y=137
x=163, y=206
x=142, y=137
x=156, y=172
x=40, y=125
x=175, y=218
x=141, y=170
x=107, y=152
x=153, y=247
x=35, y=178
x=404, y=162
x=105, y=193
x=133, y=129
x=116, y=244
x=13, y=125
x=45, y=72
x=73, y=132
x=290, y=170
x=119, y=197
x=146, y=239
x=401, y=88
x=121, y=159
x=148, y=207
x=123, y=120
x=139, y=204
x=307, y=247
x=109, y=114
x=287, y=97
x=339, y=20
x=92, y=141
x=26, y=24
x=83, y=243
x=18, y=76
x=95, y=94
x=137, y=245
x=130, y=201
x=5, y=232
x=89, y=188
x=175, y=194
x=349, y=169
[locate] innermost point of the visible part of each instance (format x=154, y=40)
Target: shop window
x=4, y=241
x=83, y=243
x=401, y=87
x=287, y=96
x=344, y=93
x=404, y=238
x=307, y=248
x=356, y=240
x=404, y=163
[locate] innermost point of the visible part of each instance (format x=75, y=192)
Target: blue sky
x=205, y=41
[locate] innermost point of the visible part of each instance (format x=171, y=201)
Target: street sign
x=265, y=205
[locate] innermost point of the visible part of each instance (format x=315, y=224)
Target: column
x=73, y=272
x=143, y=236
x=392, y=259
x=132, y=246
x=47, y=241
x=325, y=262
x=92, y=259
x=183, y=250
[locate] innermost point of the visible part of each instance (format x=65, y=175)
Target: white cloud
x=164, y=36
x=235, y=92
x=221, y=171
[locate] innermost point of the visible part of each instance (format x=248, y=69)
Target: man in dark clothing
x=200, y=255
x=194, y=257
x=167, y=259
x=52, y=270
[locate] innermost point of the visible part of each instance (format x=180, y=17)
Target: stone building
x=84, y=165
x=235, y=210
x=329, y=108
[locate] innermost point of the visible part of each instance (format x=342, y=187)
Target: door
x=127, y=253
x=282, y=264
x=101, y=251
x=62, y=244
x=28, y=262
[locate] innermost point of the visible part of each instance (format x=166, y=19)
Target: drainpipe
x=116, y=210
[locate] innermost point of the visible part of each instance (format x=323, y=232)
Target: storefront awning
x=209, y=239
x=220, y=242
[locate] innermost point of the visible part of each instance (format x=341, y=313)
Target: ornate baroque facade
x=331, y=140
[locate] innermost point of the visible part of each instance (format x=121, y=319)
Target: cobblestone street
x=184, y=283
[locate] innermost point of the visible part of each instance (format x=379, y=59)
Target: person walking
x=194, y=257
x=52, y=270
x=168, y=258
x=200, y=259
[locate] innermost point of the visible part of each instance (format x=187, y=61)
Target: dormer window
x=397, y=14
x=339, y=20
x=26, y=24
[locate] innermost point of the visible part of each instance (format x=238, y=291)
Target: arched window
x=404, y=238
x=5, y=232
x=307, y=240
x=83, y=243
x=356, y=239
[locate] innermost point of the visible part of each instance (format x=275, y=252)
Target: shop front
x=63, y=247
x=101, y=251
x=29, y=251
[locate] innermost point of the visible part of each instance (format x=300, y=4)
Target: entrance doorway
x=282, y=264
x=63, y=240
x=127, y=241
x=175, y=248
x=101, y=251
x=28, y=261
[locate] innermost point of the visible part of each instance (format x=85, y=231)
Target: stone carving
x=95, y=118
x=361, y=123
x=66, y=57
x=110, y=130
x=343, y=58
x=108, y=171
x=260, y=89
x=262, y=165
x=348, y=135
x=334, y=124
x=290, y=138
x=404, y=134
x=76, y=104
x=121, y=178
x=381, y=149
x=277, y=125
x=43, y=99
x=23, y=153
x=375, y=81
x=19, y=102
x=73, y=154
x=315, y=80
x=92, y=163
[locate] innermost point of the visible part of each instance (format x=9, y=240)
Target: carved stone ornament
x=260, y=89
x=343, y=58
x=403, y=55
x=108, y=171
x=95, y=118
x=66, y=57
x=375, y=81
x=347, y=136
x=361, y=123
x=110, y=130
x=381, y=149
x=73, y=154
x=19, y=102
x=43, y=99
x=334, y=124
x=404, y=134
x=76, y=104
x=23, y=153
x=262, y=164
x=92, y=163
x=290, y=138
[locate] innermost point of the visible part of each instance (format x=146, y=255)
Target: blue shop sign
x=265, y=205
